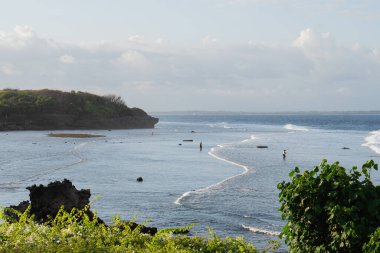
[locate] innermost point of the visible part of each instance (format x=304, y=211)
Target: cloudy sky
x=167, y=55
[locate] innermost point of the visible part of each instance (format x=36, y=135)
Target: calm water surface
x=230, y=185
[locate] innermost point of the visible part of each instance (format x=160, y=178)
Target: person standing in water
x=200, y=146
x=284, y=154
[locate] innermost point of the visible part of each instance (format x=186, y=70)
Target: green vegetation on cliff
x=52, y=109
x=53, y=101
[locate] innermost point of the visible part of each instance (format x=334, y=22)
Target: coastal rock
x=139, y=179
x=143, y=229
x=10, y=215
x=46, y=201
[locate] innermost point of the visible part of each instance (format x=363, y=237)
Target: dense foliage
x=52, y=101
x=330, y=209
x=373, y=246
x=75, y=232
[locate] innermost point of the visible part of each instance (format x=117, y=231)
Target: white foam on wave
x=220, y=125
x=372, y=141
x=211, y=153
x=295, y=128
x=250, y=139
x=261, y=231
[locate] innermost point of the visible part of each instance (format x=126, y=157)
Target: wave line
x=261, y=231
x=245, y=168
x=373, y=141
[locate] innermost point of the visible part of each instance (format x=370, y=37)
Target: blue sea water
x=229, y=186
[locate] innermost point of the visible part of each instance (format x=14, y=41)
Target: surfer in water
x=200, y=146
x=284, y=154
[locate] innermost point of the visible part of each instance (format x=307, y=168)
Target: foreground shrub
x=330, y=209
x=75, y=232
x=373, y=246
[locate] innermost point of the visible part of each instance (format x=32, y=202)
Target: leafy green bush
x=373, y=246
x=330, y=209
x=76, y=232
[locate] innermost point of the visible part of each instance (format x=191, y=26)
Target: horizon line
x=266, y=112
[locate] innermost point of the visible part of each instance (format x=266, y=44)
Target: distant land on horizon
x=58, y=110
x=369, y=112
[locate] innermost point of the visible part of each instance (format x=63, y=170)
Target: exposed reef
x=71, y=135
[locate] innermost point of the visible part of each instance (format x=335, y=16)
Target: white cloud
x=344, y=91
x=209, y=40
x=140, y=86
x=8, y=70
x=247, y=1
x=160, y=40
x=133, y=58
x=24, y=32
x=67, y=59
x=376, y=55
x=223, y=3
x=136, y=38
x=165, y=76
x=315, y=44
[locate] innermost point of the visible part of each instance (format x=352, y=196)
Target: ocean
x=229, y=186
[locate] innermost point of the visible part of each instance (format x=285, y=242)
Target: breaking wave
x=261, y=231
x=372, y=141
x=295, y=128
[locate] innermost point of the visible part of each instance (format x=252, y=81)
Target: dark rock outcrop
x=143, y=229
x=46, y=201
x=139, y=179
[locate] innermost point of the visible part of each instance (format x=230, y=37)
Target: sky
x=190, y=55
